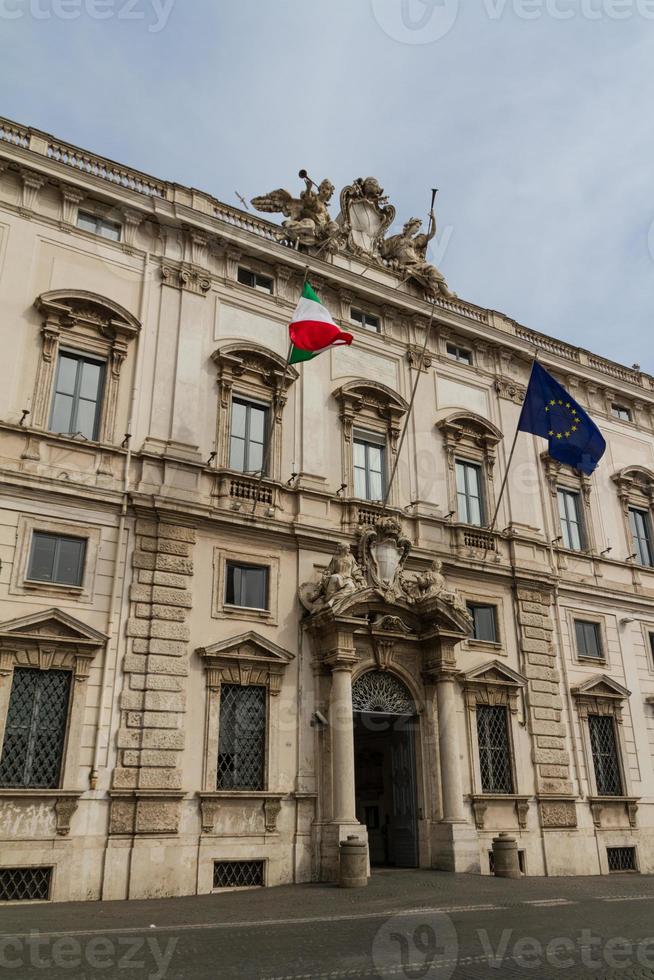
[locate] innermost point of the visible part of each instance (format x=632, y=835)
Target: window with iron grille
x=77, y=402
x=25, y=884
x=605, y=755
x=641, y=535
x=621, y=858
x=470, y=502
x=589, y=639
x=241, y=737
x=238, y=874
x=255, y=281
x=494, y=749
x=570, y=517
x=484, y=622
x=56, y=558
x=35, y=729
x=366, y=320
x=99, y=226
x=248, y=436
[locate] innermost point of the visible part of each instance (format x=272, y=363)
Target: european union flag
x=549, y=411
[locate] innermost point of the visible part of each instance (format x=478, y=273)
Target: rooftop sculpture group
x=360, y=228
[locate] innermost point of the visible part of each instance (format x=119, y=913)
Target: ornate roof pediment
x=494, y=672
x=52, y=626
x=250, y=647
x=601, y=686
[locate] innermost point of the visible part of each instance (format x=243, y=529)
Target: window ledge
x=493, y=645
x=592, y=660
x=242, y=794
x=613, y=799
x=58, y=587
x=35, y=792
x=251, y=610
x=498, y=797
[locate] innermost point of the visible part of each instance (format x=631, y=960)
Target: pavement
x=409, y=925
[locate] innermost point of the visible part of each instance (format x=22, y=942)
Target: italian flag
x=312, y=329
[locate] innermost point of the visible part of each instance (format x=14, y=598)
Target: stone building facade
x=207, y=680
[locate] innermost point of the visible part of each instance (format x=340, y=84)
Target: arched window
x=379, y=691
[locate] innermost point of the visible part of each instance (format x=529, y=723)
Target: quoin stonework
x=209, y=680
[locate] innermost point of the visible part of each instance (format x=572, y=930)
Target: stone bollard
x=353, y=863
x=505, y=855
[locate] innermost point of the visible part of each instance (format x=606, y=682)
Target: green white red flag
x=312, y=329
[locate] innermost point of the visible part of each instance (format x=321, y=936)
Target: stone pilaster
x=148, y=777
x=550, y=755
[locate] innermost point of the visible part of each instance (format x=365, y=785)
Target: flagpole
x=398, y=453
x=491, y=526
x=413, y=398
x=271, y=429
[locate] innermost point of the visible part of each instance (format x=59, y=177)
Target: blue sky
x=532, y=117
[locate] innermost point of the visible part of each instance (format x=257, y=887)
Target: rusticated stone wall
x=549, y=752
x=147, y=781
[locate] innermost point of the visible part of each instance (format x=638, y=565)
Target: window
x=570, y=516
x=468, y=491
x=248, y=436
x=99, y=226
x=366, y=320
x=494, y=749
x=369, y=463
x=641, y=535
x=255, y=281
x=605, y=755
x=461, y=354
x=621, y=859
x=650, y=636
x=484, y=622
x=56, y=558
x=35, y=729
x=246, y=585
x=238, y=874
x=589, y=639
x=621, y=412
x=77, y=395
x=242, y=737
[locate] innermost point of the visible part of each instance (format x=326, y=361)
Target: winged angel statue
x=308, y=221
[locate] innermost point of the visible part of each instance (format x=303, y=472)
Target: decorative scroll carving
x=271, y=810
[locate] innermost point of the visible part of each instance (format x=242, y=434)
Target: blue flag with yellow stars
x=549, y=411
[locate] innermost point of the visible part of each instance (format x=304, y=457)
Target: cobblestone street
x=416, y=924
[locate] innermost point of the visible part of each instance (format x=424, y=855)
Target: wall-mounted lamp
x=606, y=551
x=626, y=620
x=450, y=515
x=339, y=492
x=556, y=540
x=124, y=444
x=292, y=478
x=26, y=412
x=631, y=557
x=212, y=456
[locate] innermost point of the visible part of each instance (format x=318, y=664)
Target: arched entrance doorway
x=385, y=723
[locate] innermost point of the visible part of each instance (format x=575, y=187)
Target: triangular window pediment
x=495, y=673
x=601, y=686
x=53, y=625
x=251, y=647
